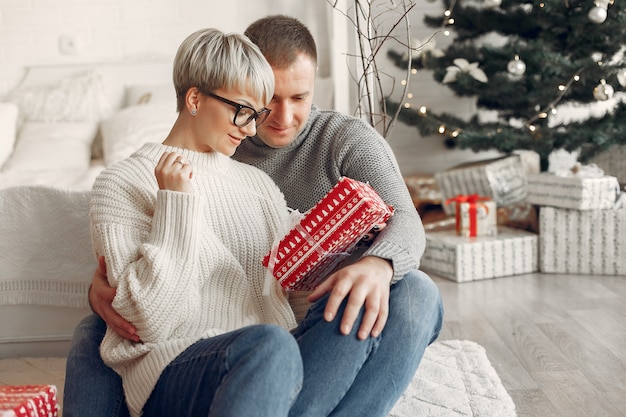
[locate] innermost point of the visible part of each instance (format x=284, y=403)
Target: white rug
x=455, y=379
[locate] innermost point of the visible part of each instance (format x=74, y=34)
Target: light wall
x=32, y=31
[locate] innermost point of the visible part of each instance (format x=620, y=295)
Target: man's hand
x=365, y=283
x=101, y=297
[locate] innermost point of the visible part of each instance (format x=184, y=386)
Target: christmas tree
x=529, y=65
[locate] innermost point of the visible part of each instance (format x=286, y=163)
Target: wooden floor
x=558, y=342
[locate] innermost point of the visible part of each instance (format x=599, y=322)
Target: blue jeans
x=342, y=376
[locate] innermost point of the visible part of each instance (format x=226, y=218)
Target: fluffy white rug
x=455, y=379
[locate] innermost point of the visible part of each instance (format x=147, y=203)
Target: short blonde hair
x=210, y=59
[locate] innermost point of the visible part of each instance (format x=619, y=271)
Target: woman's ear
x=192, y=98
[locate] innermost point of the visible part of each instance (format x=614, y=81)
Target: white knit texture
x=186, y=265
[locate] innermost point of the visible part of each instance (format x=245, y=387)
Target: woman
x=183, y=229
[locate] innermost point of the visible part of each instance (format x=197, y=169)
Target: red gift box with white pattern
x=28, y=401
x=326, y=234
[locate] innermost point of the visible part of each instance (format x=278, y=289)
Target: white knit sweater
x=186, y=265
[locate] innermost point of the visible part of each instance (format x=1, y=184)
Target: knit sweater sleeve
x=148, y=245
x=364, y=155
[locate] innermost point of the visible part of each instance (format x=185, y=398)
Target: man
x=369, y=323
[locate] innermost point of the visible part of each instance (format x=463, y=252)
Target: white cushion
x=150, y=93
x=8, y=123
x=78, y=98
x=52, y=146
x=130, y=128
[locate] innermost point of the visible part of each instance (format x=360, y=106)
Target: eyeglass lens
x=243, y=114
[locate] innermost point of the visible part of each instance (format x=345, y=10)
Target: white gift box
x=572, y=191
x=476, y=218
x=582, y=241
x=503, y=179
x=461, y=259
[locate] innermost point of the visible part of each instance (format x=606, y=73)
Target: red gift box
x=28, y=401
x=326, y=234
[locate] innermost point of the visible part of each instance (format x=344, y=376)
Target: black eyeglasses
x=244, y=114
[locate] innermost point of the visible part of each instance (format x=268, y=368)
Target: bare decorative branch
x=373, y=30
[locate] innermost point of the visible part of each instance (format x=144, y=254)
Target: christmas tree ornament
x=462, y=65
x=598, y=15
x=492, y=4
x=516, y=66
x=621, y=77
x=603, y=91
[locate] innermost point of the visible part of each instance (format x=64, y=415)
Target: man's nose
x=281, y=113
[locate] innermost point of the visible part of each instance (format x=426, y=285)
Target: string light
x=552, y=106
x=542, y=113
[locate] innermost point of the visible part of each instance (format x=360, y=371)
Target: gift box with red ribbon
x=475, y=215
x=28, y=401
x=503, y=179
x=326, y=234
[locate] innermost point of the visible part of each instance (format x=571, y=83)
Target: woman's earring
x=194, y=112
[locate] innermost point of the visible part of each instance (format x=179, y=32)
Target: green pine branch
x=566, y=55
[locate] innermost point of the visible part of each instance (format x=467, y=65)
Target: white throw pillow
x=130, y=128
x=52, y=146
x=78, y=98
x=8, y=126
x=150, y=93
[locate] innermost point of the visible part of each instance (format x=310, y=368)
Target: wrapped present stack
x=28, y=401
x=487, y=200
x=582, y=221
x=477, y=248
x=326, y=235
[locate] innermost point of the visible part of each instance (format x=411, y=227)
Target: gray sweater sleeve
x=364, y=155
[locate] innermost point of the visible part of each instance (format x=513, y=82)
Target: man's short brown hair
x=281, y=39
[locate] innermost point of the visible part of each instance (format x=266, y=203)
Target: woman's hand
x=174, y=173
